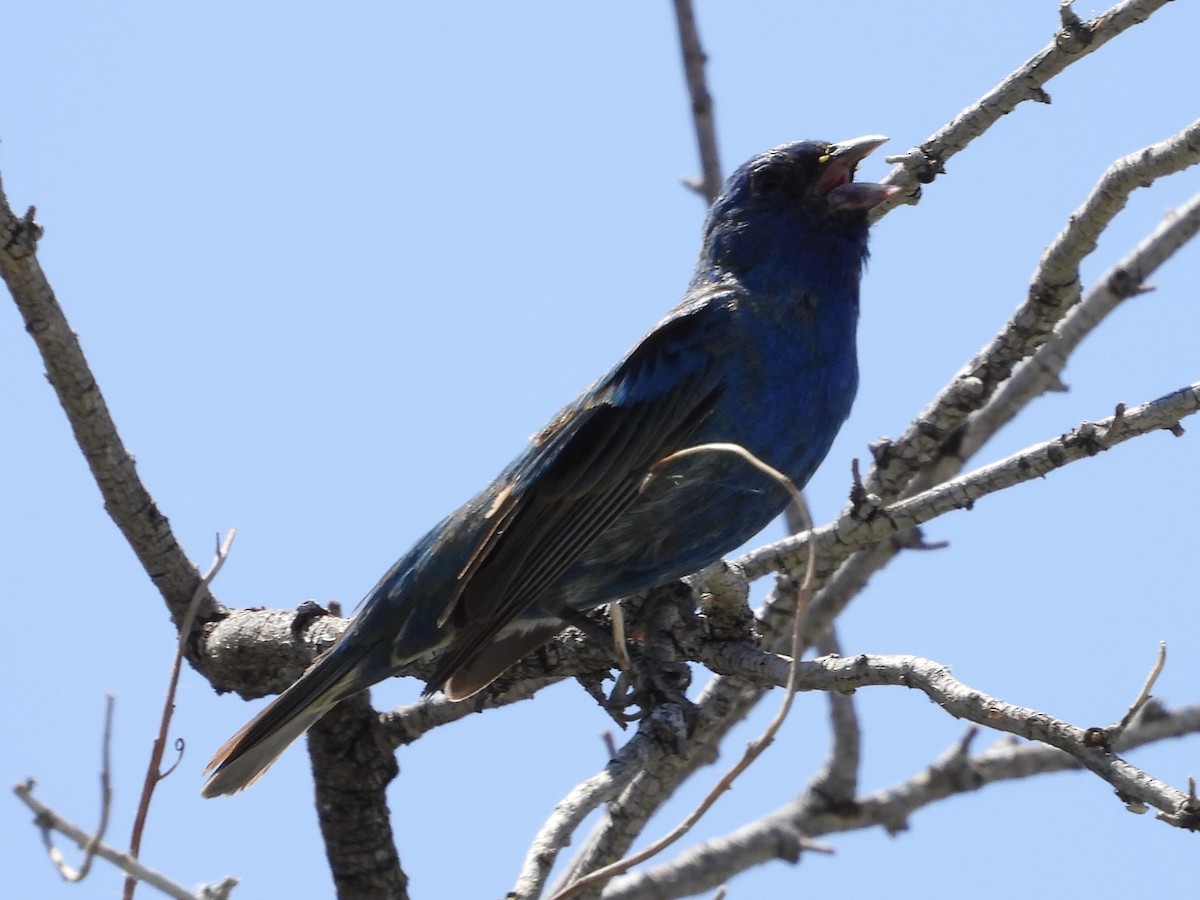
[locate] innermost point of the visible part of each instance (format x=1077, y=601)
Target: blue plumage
x=761, y=353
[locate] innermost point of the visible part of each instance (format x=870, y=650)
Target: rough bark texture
x=352, y=768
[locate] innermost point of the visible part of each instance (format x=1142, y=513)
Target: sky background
x=333, y=264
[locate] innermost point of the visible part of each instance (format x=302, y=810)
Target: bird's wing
x=583, y=471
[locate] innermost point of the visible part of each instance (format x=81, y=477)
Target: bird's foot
x=656, y=675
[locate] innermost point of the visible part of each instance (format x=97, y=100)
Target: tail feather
x=246, y=755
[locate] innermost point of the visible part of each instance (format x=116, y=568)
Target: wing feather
x=587, y=470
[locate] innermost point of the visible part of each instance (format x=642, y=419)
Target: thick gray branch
x=125, y=497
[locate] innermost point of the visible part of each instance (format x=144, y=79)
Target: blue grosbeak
x=760, y=353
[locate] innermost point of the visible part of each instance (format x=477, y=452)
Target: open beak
x=836, y=180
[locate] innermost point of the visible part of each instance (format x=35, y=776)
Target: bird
x=760, y=352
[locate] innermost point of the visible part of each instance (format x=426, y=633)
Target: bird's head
x=791, y=202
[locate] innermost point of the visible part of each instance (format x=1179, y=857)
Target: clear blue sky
x=333, y=264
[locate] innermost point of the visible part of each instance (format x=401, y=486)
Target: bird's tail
x=246, y=755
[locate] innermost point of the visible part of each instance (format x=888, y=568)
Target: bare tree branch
x=154, y=772
x=352, y=750
x=49, y=820
x=709, y=185
x=1042, y=371
x=837, y=780
x=775, y=836
x=1053, y=290
x=730, y=694
x=570, y=812
x=727, y=700
x=855, y=529
x=961, y=701
x=125, y=497
x=46, y=824
x=351, y=770
x=1113, y=733
x=1074, y=40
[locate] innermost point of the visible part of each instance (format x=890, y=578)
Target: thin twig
x=709, y=186
x=45, y=824
x=47, y=818
x=1143, y=696
x=154, y=773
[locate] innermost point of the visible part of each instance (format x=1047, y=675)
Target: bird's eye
x=765, y=183
x=826, y=156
